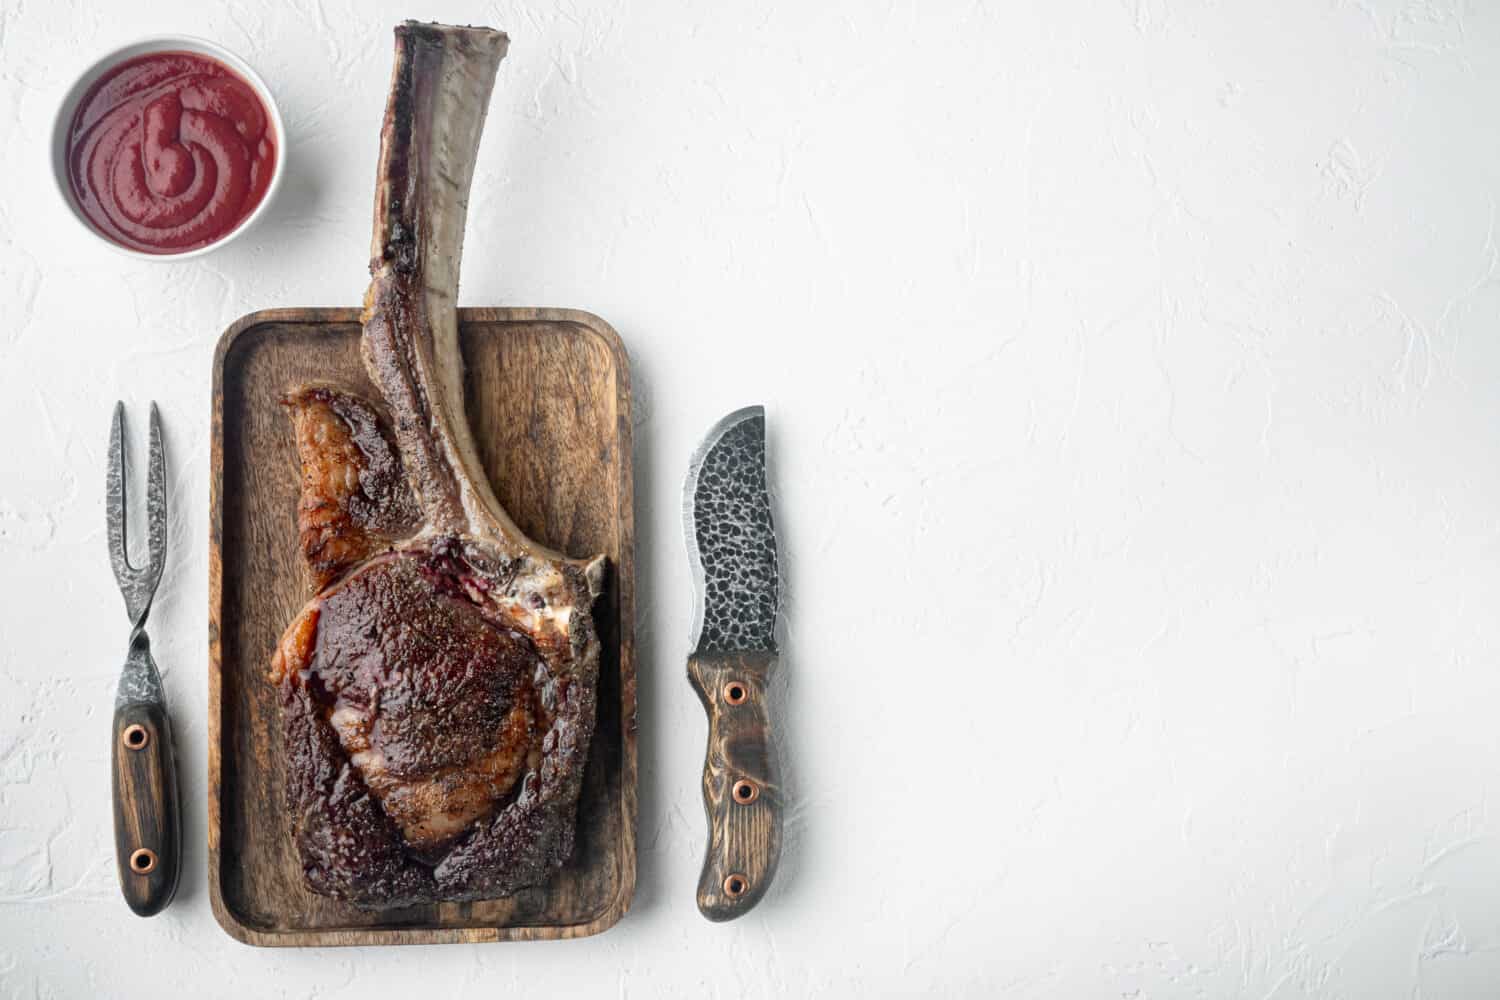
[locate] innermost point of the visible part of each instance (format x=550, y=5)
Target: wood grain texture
x=744, y=830
x=548, y=397
x=147, y=817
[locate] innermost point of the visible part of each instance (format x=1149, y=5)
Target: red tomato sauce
x=169, y=152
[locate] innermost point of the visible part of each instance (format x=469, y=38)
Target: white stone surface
x=1135, y=388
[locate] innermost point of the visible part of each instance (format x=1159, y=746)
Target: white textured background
x=1134, y=371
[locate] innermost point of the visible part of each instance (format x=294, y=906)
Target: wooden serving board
x=548, y=397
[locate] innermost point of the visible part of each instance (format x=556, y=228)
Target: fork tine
x=156, y=500
x=114, y=497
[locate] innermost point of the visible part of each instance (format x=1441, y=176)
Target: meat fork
x=148, y=825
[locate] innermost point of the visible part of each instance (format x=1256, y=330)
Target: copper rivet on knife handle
x=736, y=885
x=143, y=861
x=746, y=791
x=735, y=693
x=135, y=737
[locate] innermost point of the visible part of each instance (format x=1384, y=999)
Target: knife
x=731, y=546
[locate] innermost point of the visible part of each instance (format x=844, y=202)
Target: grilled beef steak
x=438, y=691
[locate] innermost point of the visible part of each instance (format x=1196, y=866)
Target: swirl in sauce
x=170, y=152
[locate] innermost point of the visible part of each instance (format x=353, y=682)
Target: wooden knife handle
x=148, y=823
x=741, y=786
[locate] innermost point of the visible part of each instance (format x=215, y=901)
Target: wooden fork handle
x=742, y=794
x=148, y=822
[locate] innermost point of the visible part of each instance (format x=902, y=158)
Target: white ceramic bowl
x=63, y=123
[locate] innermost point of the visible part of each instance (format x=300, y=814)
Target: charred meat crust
x=355, y=498
x=353, y=844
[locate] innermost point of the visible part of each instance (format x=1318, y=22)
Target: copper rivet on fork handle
x=135, y=736
x=143, y=861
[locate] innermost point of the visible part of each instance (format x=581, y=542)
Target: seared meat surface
x=355, y=498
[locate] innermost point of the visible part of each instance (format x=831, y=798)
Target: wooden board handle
x=741, y=786
x=148, y=824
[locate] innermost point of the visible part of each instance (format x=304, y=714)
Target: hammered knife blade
x=731, y=545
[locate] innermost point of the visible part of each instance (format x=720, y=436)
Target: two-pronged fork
x=148, y=827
